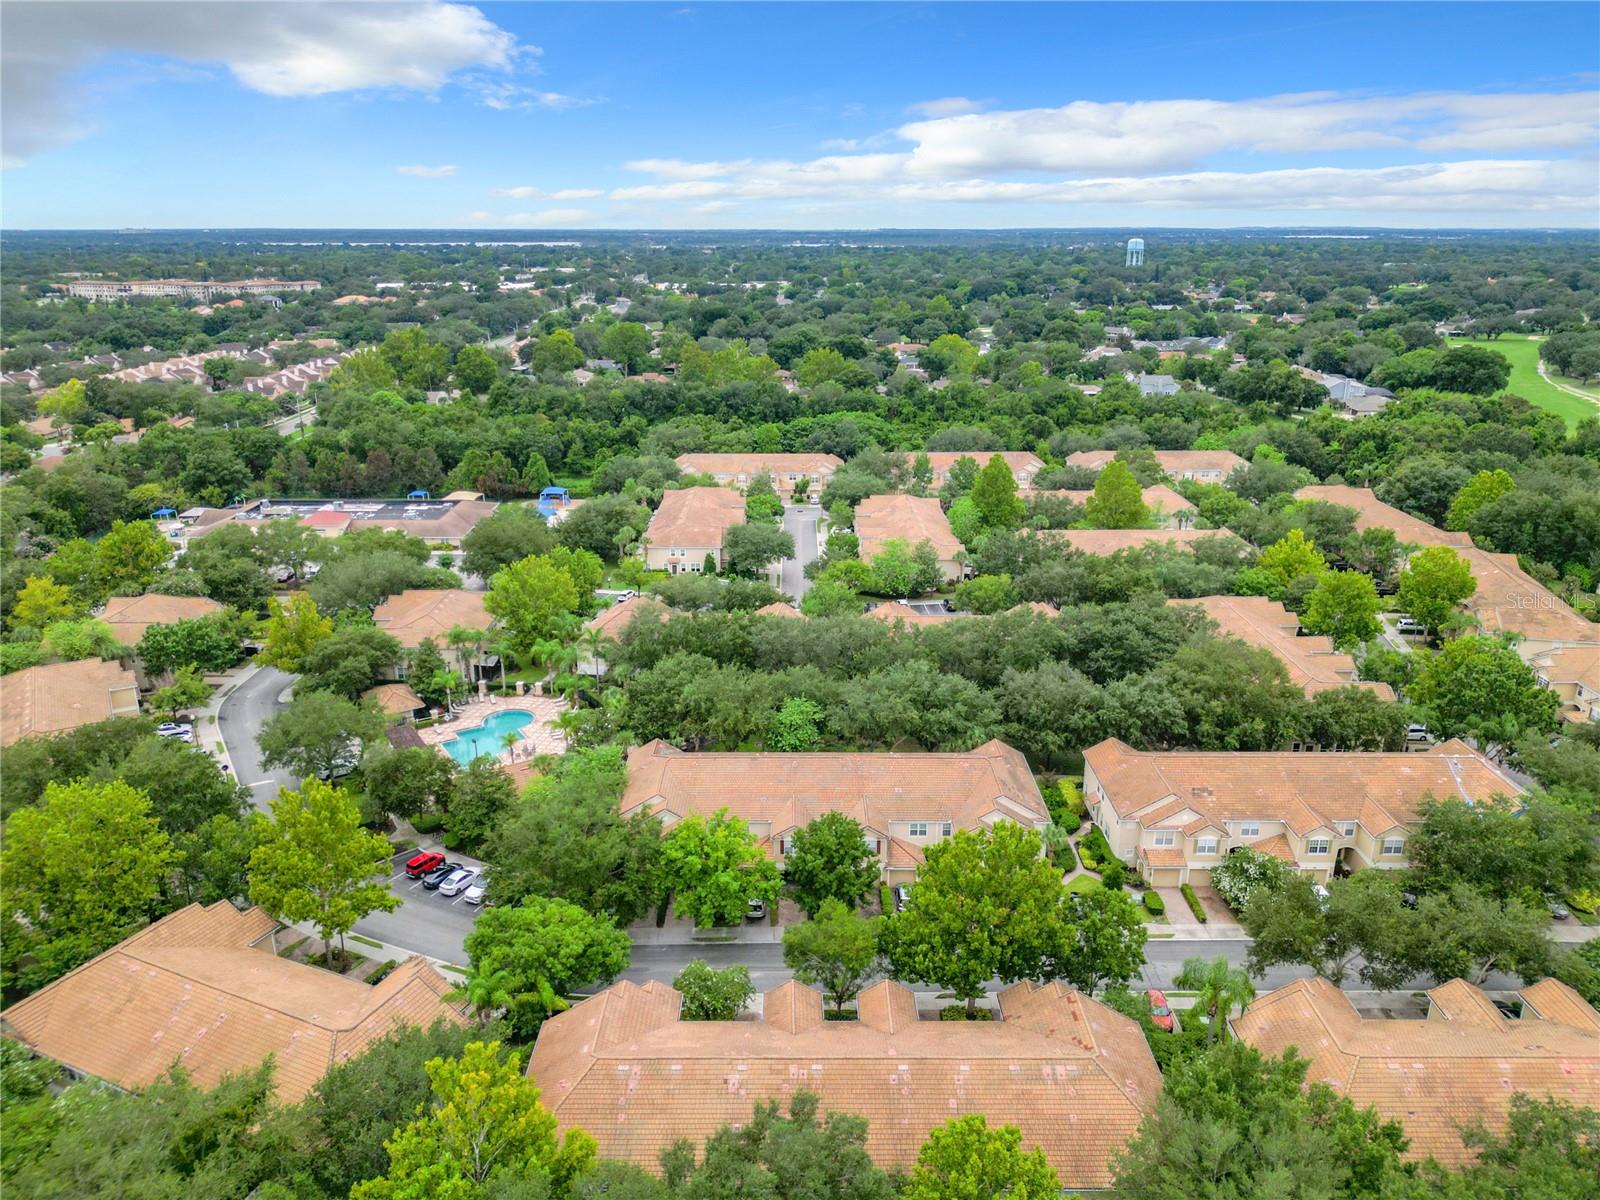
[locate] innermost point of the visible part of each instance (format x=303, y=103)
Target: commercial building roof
x=695, y=518
x=789, y=790
x=1372, y=513
x=1074, y=1076
x=420, y=613
x=130, y=616
x=1441, y=1075
x=447, y=520
x=1304, y=791
x=911, y=519
x=1313, y=664
x=195, y=989
x=61, y=696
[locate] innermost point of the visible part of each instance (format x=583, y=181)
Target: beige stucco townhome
x=910, y=519
x=1025, y=465
x=786, y=470
x=904, y=802
x=1174, y=815
x=688, y=526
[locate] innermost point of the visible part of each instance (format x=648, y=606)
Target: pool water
x=485, y=739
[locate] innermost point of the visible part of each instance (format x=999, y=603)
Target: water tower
x=1135, y=252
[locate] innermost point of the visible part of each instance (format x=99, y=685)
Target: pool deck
x=541, y=737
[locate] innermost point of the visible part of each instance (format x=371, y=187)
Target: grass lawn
x=1523, y=354
x=1089, y=883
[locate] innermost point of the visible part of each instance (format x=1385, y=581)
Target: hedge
x=1153, y=904
x=428, y=822
x=958, y=1012
x=1094, y=850
x=1062, y=857
x=1198, y=909
x=886, y=899
x=1065, y=804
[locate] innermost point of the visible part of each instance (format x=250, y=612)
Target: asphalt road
x=246, y=709
x=800, y=521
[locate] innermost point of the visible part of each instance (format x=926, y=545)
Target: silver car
x=474, y=894
x=457, y=881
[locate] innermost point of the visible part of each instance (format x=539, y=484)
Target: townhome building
x=688, y=527
x=910, y=519
x=1573, y=673
x=1200, y=466
x=1168, y=508
x=429, y=614
x=904, y=802
x=1073, y=1075
x=1311, y=660
x=1024, y=465
x=1175, y=815
x=1440, y=1075
x=786, y=470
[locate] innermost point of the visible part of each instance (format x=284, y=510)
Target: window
x=786, y=846
x=1318, y=845
x=917, y=829
x=1207, y=845
x=872, y=844
x=1347, y=829
x=946, y=829
x=1394, y=845
x=1250, y=829
x=1165, y=837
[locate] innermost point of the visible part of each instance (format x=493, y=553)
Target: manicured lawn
x=1089, y=883
x=1523, y=354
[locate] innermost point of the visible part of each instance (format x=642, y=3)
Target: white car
x=173, y=729
x=474, y=893
x=457, y=881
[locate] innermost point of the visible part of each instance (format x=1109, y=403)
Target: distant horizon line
x=878, y=229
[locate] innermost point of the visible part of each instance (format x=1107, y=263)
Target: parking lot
x=425, y=922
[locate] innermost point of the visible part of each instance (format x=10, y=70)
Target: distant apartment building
x=786, y=470
x=130, y=616
x=1109, y=541
x=1573, y=673
x=1200, y=466
x=1176, y=814
x=442, y=522
x=1025, y=466
x=1312, y=662
x=58, y=697
x=910, y=519
x=183, y=289
x=1168, y=508
x=904, y=802
x=689, y=526
x=1372, y=513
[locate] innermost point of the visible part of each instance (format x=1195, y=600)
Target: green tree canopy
x=837, y=951
x=527, y=957
x=1434, y=582
x=964, y=1159
x=1117, y=501
x=829, y=859
x=714, y=868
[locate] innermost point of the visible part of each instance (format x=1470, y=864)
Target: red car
x=421, y=863
x=1160, y=1014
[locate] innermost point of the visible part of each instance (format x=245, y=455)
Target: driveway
x=800, y=522
x=253, y=702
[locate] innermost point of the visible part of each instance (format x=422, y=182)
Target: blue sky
x=439, y=114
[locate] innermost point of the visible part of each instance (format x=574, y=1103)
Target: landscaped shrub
x=1094, y=850
x=428, y=822
x=958, y=1012
x=886, y=899
x=1198, y=909
x=1243, y=871
x=1065, y=803
x=1153, y=903
x=1058, y=845
x=1114, y=874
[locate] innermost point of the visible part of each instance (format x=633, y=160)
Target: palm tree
x=593, y=643
x=489, y=991
x=1218, y=987
x=446, y=682
x=462, y=638
x=500, y=646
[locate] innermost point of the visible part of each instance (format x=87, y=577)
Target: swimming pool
x=485, y=739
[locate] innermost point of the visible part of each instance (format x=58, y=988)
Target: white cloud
x=271, y=46
x=713, y=206
x=551, y=217
x=1148, y=135
x=533, y=193
x=421, y=172
x=503, y=95
x=945, y=106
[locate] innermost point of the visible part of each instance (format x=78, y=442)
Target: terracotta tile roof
x=1173, y=462
x=1073, y=1075
x=1158, y=499
x=194, y=989
x=1372, y=513
x=1314, y=665
x=779, y=466
x=695, y=518
x=1306, y=791
x=130, y=616
x=1277, y=846
x=61, y=696
x=613, y=620
x=1508, y=598
x=779, y=608
x=1439, y=1075
x=912, y=519
x=891, y=612
x=327, y=518
x=419, y=613
x=1109, y=541
x=1037, y=606
x=1571, y=664
x=396, y=699
x=789, y=790
x=1018, y=460
x=1160, y=856
x=1552, y=1000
